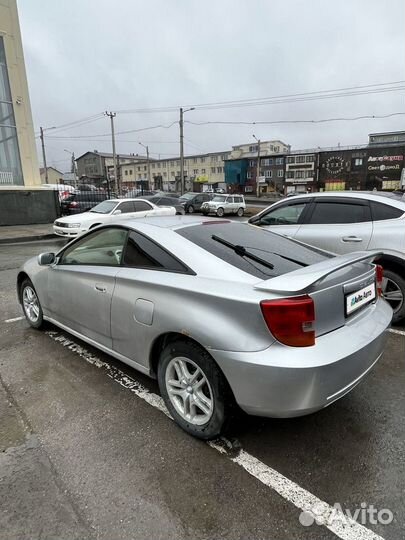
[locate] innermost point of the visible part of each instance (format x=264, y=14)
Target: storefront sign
x=335, y=165
x=385, y=163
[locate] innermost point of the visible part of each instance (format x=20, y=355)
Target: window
x=268, y=173
x=219, y=169
x=172, y=164
x=202, y=160
x=358, y=162
x=253, y=148
x=130, y=172
x=140, y=252
x=285, y=215
x=382, y=211
x=339, y=212
x=100, y=248
x=290, y=159
x=202, y=171
x=252, y=163
x=178, y=173
x=289, y=174
x=126, y=207
x=300, y=159
x=279, y=161
x=145, y=167
x=213, y=169
x=280, y=173
x=172, y=173
x=214, y=158
x=262, y=243
x=126, y=173
x=142, y=206
x=178, y=163
x=139, y=168
x=139, y=176
x=195, y=172
x=309, y=159
x=299, y=174
x=195, y=160
x=248, y=175
x=10, y=165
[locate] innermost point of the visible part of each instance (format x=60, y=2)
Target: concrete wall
x=10, y=31
x=28, y=207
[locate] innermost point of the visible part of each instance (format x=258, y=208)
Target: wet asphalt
x=82, y=457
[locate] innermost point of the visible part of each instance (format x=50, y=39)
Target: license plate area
x=360, y=298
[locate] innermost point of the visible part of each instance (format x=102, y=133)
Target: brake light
x=73, y=204
x=291, y=320
x=379, y=275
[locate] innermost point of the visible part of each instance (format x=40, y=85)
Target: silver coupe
x=223, y=314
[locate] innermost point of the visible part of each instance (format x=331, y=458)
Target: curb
x=19, y=239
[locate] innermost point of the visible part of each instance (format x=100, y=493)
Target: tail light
x=73, y=204
x=291, y=320
x=379, y=274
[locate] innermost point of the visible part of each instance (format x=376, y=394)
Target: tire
x=214, y=395
x=220, y=212
x=394, y=293
x=190, y=209
x=28, y=295
x=240, y=212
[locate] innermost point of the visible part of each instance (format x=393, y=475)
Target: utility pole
x=43, y=154
x=258, y=167
x=181, y=123
x=112, y=116
x=148, y=163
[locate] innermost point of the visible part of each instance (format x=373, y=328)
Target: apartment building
x=301, y=172
x=18, y=155
x=99, y=166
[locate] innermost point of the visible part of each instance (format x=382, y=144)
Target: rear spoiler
x=301, y=279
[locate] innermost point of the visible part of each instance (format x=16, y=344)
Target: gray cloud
x=86, y=56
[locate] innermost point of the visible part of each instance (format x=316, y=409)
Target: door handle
x=100, y=288
x=352, y=239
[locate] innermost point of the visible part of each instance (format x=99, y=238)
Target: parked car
x=219, y=312
x=64, y=190
x=163, y=200
x=192, y=201
x=225, y=204
x=109, y=211
x=348, y=221
x=81, y=201
x=132, y=193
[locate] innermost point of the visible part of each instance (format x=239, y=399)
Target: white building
x=267, y=148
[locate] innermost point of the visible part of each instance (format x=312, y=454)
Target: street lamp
x=73, y=165
x=182, y=112
x=148, y=165
x=258, y=166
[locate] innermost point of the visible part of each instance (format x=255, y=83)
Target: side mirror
x=116, y=212
x=45, y=259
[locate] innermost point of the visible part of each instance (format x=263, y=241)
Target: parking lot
x=88, y=451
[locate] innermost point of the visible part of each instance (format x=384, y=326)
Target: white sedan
x=109, y=211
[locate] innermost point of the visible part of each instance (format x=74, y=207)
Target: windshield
x=187, y=196
x=104, y=208
x=219, y=198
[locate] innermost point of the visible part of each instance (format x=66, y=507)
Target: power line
x=117, y=133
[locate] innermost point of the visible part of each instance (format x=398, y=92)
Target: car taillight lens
x=379, y=274
x=73, y=204
x=291, y=320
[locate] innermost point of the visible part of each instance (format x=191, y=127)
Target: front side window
x=140, y=252
x=219, y=198
x=339, y=212
x=99, y=248
x=285, y=215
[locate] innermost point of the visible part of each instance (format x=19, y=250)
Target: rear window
x=384, y=211
x=336, y=212
x=264, y=244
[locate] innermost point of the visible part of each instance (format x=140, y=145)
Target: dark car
x=162, y=200
x=82, y=201
x=192, y=202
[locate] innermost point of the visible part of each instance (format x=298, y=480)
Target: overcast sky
x=87, y=56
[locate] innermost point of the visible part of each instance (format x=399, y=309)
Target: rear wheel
x=394, y=292
x=31, y=305
x=220, y=212
x=194, y=389
x=190, y=209
x=240, y=212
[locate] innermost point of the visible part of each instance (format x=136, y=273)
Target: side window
x=382, y=211
x=199, y=199
x=285, y=215
x=140, y=252
x=126, y=207
x=336, y=212
x=230, y=200
x=206, y=197
x=100, y=248
x=142, y=206
x=164, y=200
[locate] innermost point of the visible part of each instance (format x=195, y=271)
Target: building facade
x=18, y=155
x=54, y=176
x=98, y=167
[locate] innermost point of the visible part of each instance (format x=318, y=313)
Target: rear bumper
x=286, y=381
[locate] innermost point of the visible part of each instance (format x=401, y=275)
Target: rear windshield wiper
x=245, y=253
x=242, y=252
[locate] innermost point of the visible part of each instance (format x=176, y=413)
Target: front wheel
x=190, y=209
x=194, y=389
x=240, y=212
x=31, y=305
x=220, y=212
x=393, y=291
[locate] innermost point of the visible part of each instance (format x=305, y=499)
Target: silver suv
x=225, y=204
x=348, y=221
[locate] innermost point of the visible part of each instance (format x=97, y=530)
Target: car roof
x=380, y=196
x=173, y=222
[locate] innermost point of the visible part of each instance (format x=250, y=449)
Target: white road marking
x=15, y=319
x=342, y=526
x=395, y=331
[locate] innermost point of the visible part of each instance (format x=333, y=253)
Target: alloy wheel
x=189, y=390
x=31, y=304
x=392, y=293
